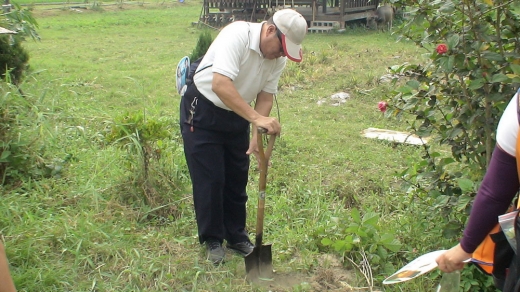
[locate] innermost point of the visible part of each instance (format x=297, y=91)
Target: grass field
x=89, y=229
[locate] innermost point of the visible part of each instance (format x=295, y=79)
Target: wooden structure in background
x=218, y=13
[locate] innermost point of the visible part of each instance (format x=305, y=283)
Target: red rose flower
x=382, y=106
x=442, y=49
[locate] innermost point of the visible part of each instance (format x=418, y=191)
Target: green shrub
x=205, y=40
x=15, y=154
x=13, y=59
x=154, y=175
x=361, y=239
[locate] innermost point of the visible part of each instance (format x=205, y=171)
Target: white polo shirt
x=235, y=53
x=507, y=129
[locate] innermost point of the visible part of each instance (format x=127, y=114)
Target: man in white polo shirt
x=242, y=65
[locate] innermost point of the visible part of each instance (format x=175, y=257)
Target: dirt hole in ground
x=329, y=275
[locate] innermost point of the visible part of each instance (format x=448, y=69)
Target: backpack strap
x=194, y=69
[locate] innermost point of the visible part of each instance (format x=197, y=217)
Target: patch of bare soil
x=329, y=275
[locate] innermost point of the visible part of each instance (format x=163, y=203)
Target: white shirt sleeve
x=507, y=129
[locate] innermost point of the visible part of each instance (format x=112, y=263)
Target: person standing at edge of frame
x=6, y=282
x=242, y=65
x=495, y=194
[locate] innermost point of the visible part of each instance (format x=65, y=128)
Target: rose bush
x=457, y=100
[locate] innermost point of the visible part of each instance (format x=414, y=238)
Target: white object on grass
x=394, y=136
x=415, y=268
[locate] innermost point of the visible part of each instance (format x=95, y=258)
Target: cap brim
x=291, y=50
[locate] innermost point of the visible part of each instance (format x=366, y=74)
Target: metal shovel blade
x=259, y=263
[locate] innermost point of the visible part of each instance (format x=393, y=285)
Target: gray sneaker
x=215, y=251
x=242, y=248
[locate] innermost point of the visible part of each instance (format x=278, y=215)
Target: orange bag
x=494, y=255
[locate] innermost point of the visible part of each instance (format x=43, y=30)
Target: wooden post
x=314, y=10
x=342, y=14
x=253, y=13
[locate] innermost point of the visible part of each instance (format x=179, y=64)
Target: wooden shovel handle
x=264, y=160
x=270, y=143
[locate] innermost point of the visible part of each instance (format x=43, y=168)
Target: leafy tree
x=456, y=98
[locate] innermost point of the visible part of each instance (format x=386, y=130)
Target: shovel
x=259, y=263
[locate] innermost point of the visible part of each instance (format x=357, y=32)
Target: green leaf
x=339, y=245
x=442, y=200
x=382, y=252
x=446, y=63
x=352, y=229
x=455, y=132
x=362, y=233
x=447, y=160
x=414, y=84
x=453, y=40
x=342, y=245
x=466, y=185
x=390, y=242
x=515, y=68
x=5, y=155
x=375, y=259
x=370, y=219
x=435, y=154
x=326, y=241
x=404, y=89
x=443, y=61
x=434, y=193
x=492, y=56
x=354, y=213
x=497, y=78
x=476, y=84
x=452, y=229
x=447, y=8
x=451, y=61
x=463, y=203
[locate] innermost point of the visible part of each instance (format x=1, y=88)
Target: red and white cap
x=293, y=27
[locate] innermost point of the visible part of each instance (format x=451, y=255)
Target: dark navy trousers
x=215, y=145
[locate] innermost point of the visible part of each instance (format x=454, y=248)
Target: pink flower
x=382, y=106
x=442, y=49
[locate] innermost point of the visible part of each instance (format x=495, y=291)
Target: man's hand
x=253, y=149
x=271, y=124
